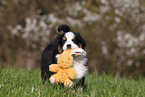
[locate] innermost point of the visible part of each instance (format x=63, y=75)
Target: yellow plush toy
x=64, y=71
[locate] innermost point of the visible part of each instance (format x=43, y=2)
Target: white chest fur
x=80, y=66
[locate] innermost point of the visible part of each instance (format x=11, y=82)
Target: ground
x=26, y=83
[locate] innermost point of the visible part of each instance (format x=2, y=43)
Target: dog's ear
x=80, y=40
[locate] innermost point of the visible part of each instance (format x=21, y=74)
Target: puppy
x=66, y=39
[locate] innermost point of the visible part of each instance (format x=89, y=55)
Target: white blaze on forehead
x=69, y=35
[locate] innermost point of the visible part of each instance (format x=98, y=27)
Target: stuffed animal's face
x=65, y=60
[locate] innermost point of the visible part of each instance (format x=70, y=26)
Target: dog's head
x=70, y=39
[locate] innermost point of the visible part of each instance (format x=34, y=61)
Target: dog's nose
x=69, y=46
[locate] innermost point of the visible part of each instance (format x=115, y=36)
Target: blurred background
x=113, y=29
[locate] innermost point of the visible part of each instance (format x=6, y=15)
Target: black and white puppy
x=64, y=41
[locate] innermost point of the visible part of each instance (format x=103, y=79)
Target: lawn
x=26, y=83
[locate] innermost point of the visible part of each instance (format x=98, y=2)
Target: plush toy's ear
x=80, y=40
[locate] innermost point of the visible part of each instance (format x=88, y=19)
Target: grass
x=24, y=83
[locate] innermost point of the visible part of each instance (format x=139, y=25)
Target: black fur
x=64, y=28
x=48, y=57
x=80, y=40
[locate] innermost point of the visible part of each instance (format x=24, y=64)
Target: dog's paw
x=78, y=52
x=80, y=89
x=68, y=85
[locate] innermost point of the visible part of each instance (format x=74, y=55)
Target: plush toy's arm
x=53, y=67
x=71, y=73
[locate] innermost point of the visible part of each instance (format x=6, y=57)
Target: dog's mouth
x=69, y=48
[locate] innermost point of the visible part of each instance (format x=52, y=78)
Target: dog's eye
x=74, y=40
